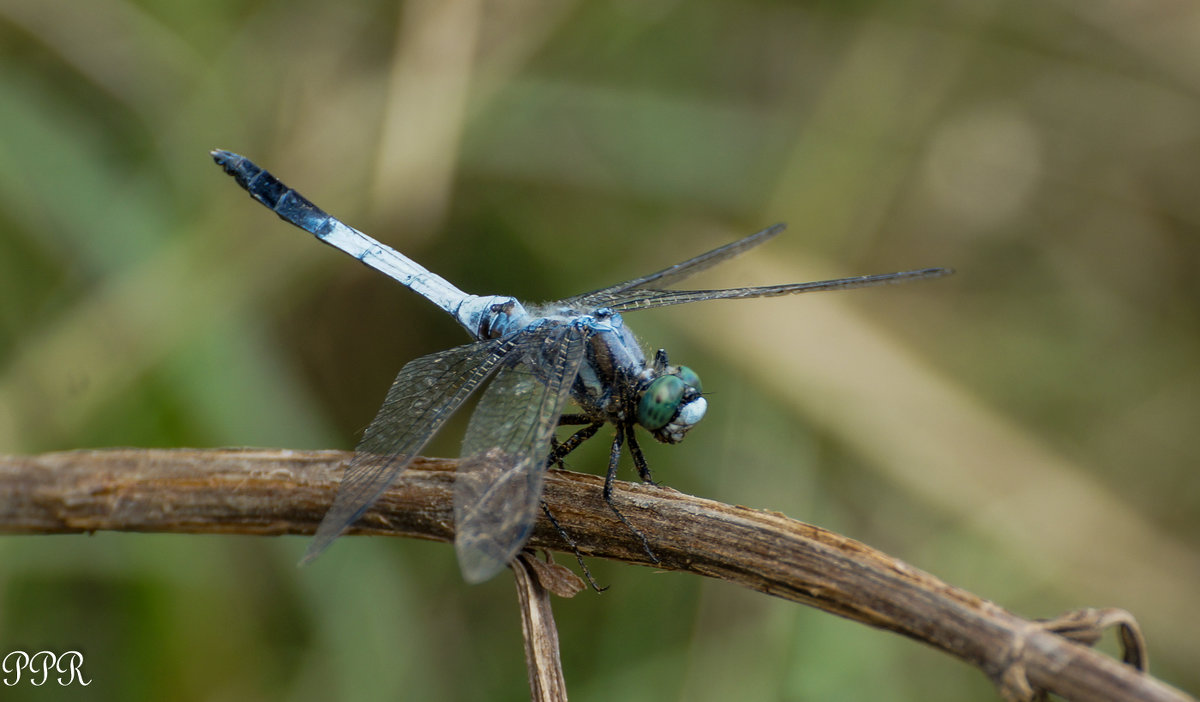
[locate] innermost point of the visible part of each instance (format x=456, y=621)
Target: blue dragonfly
x=537, y=358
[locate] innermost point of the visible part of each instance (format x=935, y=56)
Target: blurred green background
x=1026, y=429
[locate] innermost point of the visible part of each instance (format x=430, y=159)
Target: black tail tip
x=223, y=157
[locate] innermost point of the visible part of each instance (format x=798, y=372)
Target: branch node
x=1083, y=626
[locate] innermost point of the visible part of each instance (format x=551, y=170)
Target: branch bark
x=273, y=492
x=546, y=681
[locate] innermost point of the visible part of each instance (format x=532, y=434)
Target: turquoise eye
x=689, y=376
x=660, y=402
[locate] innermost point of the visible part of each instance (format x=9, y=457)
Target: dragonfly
x=534, y=359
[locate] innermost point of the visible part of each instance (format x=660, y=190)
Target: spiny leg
x=614, y=459
x=574, y=547
x=559, y=451
x=569, y=419
x=639, y=461
x=554, y=457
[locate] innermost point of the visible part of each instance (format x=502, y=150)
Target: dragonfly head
x=669, y=402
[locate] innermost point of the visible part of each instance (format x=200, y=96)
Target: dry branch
x=546, y=682
x=287, y=492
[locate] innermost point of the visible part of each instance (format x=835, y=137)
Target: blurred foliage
x=1026, y=430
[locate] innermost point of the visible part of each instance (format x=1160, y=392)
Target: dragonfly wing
x=424, y=395
x=499, y=483
x=641, y=299
x=677, y=272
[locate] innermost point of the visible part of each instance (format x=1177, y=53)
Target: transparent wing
x=499, y=482
x=677, y=272
x=423, y=396
x=640, y=299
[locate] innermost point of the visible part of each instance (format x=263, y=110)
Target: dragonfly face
x=671, y=403
x=531, y=361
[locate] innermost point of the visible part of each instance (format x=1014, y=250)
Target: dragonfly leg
x=639, y=461
x=574, y=547
x=614, y=459
x=559, y=451
x=567, y=419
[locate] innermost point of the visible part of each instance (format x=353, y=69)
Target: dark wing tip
x=764, y=234
x=759, y=237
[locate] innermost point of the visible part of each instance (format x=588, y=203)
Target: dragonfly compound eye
x=660, y=402
x=689, y=376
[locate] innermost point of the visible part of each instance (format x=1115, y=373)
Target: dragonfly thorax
x=612, y=367
x=617, y=385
